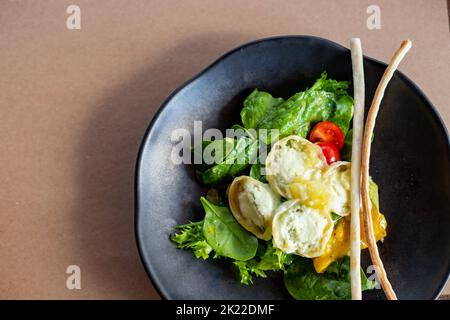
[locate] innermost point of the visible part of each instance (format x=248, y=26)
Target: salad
x=288, y=211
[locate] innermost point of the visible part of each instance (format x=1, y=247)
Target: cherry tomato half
x=327, y=131
x=330, y=152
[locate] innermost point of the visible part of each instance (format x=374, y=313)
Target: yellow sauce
x=339, y=243
x=312, y=193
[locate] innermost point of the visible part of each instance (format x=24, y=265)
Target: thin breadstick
x=370, y=124
x=358, y=128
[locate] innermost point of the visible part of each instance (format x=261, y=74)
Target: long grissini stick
x=358, y=128
x=370, y=124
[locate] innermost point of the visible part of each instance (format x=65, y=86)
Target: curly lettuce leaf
x=303, y=283
x=272, y=259
x=191, y=236
x=330, y=85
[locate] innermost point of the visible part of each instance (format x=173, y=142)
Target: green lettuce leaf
x=294, y=116
x=343, y=113
x=327, y=99
x=190, y=236
x=256, y=105
x=330, y=85
x=272, y=259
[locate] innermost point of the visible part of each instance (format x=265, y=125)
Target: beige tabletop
x=74, y=105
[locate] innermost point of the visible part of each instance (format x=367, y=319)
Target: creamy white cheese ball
x=300, y=229
x=293, y=160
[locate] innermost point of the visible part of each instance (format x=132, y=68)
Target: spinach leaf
x=212, y=152
x=272, y=259
x=303, y=283
x=191, y=236
x=341, y=269
x=326, y=100
x=245, y=158
x=256, y=106
x=225, y=235
x=243, y=152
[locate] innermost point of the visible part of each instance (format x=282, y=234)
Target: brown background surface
x=75, y=104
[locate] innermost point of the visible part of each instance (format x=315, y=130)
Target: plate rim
x=138, y=164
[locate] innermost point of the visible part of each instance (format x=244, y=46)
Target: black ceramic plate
x=410, y=161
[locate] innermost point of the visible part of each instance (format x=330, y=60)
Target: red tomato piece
x=327, y=131
x=330, y=152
